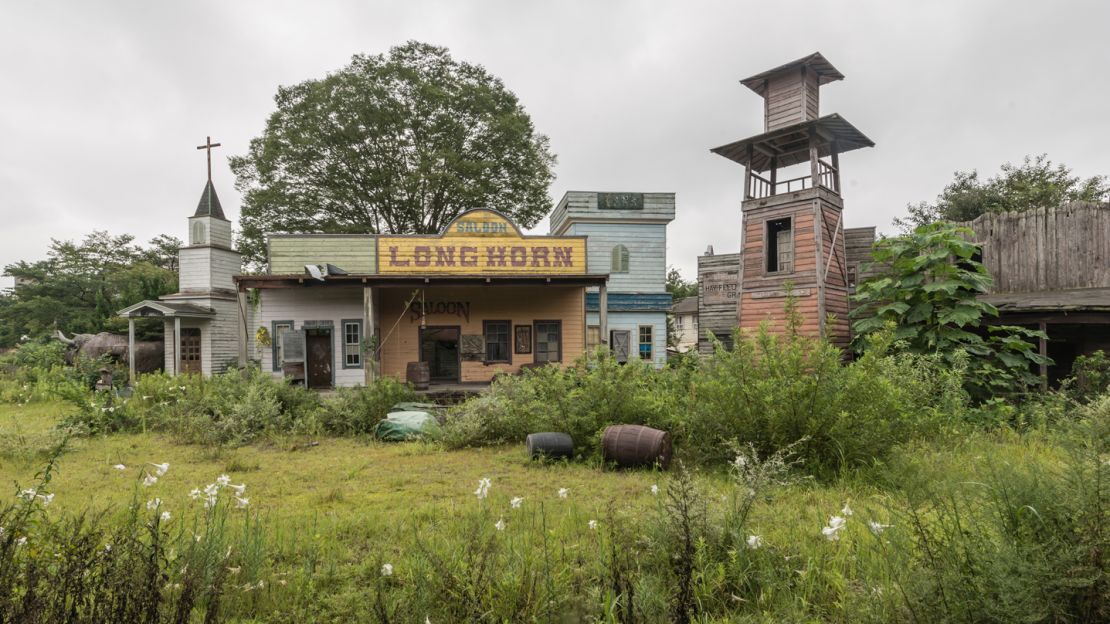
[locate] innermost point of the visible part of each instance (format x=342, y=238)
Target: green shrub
x=354, y=411
x=1090, y=376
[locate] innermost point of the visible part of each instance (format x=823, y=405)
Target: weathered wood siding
x=207, y=268
x=791, y=97
x=522, y=305
x=311, y=304
x=581, y=206
x=647, y=254
x=217, y=232
x=720, y=318
x=1046, y=249
x=858, y=243
x=356, y=253
x=631, y=321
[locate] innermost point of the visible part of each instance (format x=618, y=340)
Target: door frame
x=200, y=350
x=458, y=350
x=308, y=331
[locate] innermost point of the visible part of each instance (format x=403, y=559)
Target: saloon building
x=480, y=298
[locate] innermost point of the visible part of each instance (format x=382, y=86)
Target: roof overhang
x=825, y=71
x=1075, y=300
x=410, y=281
x=149, y=308
x=790, y=145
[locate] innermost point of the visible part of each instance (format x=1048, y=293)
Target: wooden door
x=439, y=347
x=319, y=358
x=622, y=344
x=190, y=350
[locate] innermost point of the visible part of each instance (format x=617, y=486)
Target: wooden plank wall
x=354, y=253
x=720, y=318
x=1046, y=248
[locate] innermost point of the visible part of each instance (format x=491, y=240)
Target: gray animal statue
x=149, y=354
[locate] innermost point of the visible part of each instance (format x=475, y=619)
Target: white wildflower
x=211, y=489
x=832, y=531
x=515, y=502
x=149, y=480
x=160, y=469
x=46, y=499
x=20, y=541
x=241, y=503
x=500, y=525
x=654, y=489
x=29, y=494
x=165, y=516
x=233, y=571
x=876, y=527
x=181, y=388
x=563, y=492
x=483, y=488
x=387, y=569
x=120, y=467
x=223, y=480
x=754, y=541
x=847, y=511
x=154, y=503
x=146, y=397
x=239, y=489
x=24, y=338
x=195, y=494
x=592, y=524
x=108, y=548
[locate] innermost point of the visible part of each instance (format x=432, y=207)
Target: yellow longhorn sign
x=482, y=242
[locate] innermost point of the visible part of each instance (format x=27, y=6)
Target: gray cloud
x=101, y=104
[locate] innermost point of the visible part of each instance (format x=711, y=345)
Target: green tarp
x=405, y=425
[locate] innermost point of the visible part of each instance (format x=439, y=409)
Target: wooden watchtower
x=793, y=231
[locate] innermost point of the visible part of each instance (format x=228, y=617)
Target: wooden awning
x=150, y=308
x=790, y=145
x=411, y=281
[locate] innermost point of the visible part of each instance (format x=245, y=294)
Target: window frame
x=536, y=341
x=768, y=246
x=650, y=343
x=623, y=258
x=358, y=345
x=276, y=352
x=510, y=340
x=592, y=346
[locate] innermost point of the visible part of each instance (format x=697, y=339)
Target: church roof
x=209, y=205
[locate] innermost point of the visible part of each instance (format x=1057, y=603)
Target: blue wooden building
x=626, y=238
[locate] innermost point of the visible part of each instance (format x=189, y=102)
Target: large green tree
x=394, y=143
x=81, y=285
x=1036, y=183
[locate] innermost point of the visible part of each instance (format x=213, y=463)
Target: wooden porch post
x=176, y=345
x=131, y=350
x=603, y=314
x=1043, y=350
x=243, y=338
x=370, y=323
x=814, y=158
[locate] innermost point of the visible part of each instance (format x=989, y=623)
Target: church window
x=619, y=260
x=199, y=237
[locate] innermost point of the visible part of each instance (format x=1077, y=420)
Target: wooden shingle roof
x=790, y=145
x=825, y=71
x=209, y=205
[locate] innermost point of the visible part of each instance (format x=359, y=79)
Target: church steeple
x=209, y=205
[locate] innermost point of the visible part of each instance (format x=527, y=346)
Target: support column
x=603, y=314
x=131, y=351
x=243, y=337
x=176, y=345
x=814, y=160
x=370, y=325
x=1043, y=350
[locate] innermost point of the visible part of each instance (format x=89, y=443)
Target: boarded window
x=497, y=340
x=646, y=343
x=292, y=346
x=549, y=341
x=352, y=343
x=780, y=246
x=619, y=260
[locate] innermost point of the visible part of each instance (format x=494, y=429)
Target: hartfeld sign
x=482, y=242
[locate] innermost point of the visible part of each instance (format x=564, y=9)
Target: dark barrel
x=418, y=375
x=550, y=444
x=634, y=445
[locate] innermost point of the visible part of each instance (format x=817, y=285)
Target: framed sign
x=720, y=288
x=522, y=339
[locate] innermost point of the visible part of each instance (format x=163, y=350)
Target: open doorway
x=439, y=347
x=319, y=358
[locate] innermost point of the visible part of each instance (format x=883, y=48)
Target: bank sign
x=482, y=242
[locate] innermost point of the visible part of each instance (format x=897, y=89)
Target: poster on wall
x=523, y=339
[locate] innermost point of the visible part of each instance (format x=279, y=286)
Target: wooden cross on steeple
x=208, y=145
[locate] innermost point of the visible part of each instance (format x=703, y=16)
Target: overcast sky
x=103, y=103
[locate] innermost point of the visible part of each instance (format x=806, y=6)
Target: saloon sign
x=482, y=242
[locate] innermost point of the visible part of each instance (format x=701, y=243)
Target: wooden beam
x=131, y=351
x=176, y=345
x=1043, y=350
x=370, y=325
x=603, y=314
x=814, y=166
x=243, y=335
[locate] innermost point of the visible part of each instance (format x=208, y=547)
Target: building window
x=619, y=260
x=497, y=341
x=277, y=351
x=198, y=233
x=352, y=343
x=549, y=341
x=646, y=344
x=593, y=337
x=780, y=246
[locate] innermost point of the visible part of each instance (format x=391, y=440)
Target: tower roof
x=825, y=71
x=209, y=205
x=790, y=145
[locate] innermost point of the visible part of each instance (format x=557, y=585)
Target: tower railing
x=759, y=187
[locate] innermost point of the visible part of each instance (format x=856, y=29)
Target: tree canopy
x=80, y=286
x=396, y=143
x=1036, y=183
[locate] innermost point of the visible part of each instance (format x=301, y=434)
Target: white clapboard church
x=201, y=318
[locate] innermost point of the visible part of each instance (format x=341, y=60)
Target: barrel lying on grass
x=549, y=444
x=630, y=446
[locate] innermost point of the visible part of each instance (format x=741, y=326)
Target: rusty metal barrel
x=635, y=445
x=549, y=444
x=419, y=375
